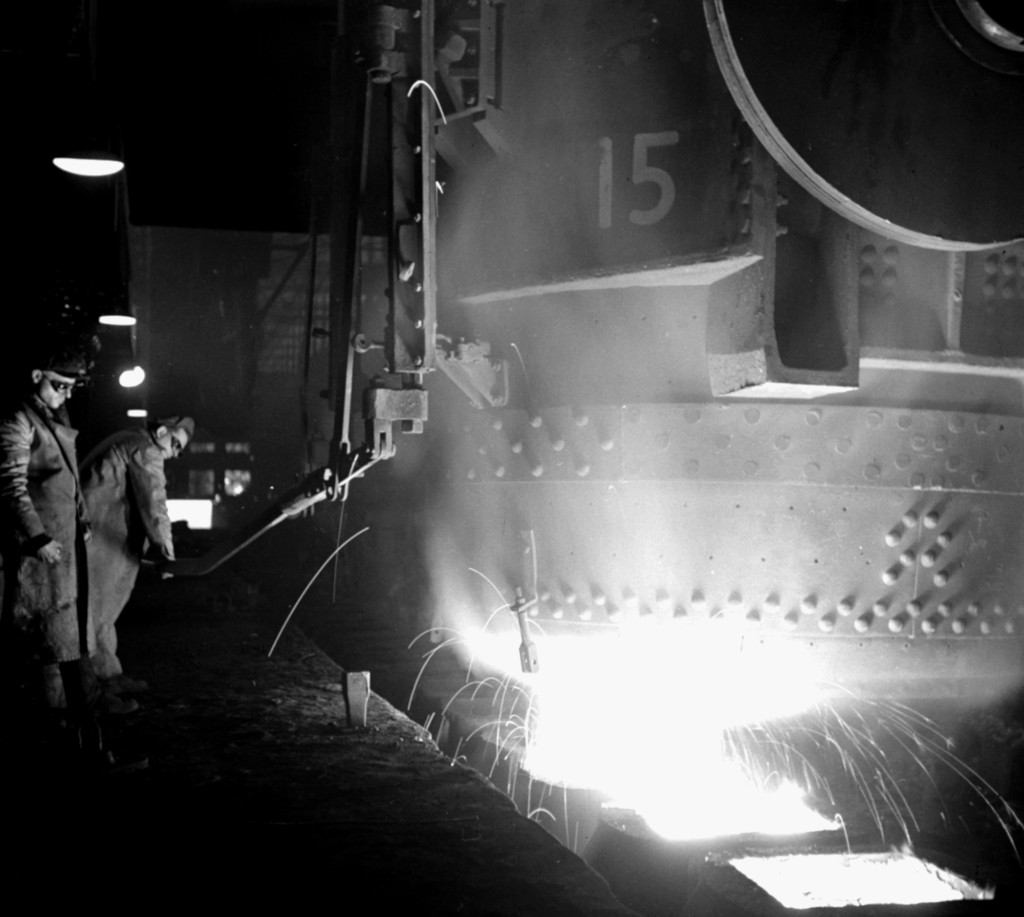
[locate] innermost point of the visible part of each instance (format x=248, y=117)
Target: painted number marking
x=643, y=172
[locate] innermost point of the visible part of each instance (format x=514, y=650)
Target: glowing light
x=89, y=165
x=131, y=378
x=137, y=412
x=197, y=513
x=839, y=880
x=117, y=320
x=593, y=714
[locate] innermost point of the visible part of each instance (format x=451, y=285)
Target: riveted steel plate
x=834, y=528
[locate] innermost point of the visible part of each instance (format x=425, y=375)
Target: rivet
x=846, y=607
x=558, y=444
x=663, y=601
x=569, y=594
x=697, y=599
x=929, y=557
x=585, y=614
x=536, y=421
x=973, y=609
x=791, y=620
x=880, y=609
x=985, y=627
x=896, y=624
x=891, y=575
x=630, y=600
x=914, y=608
x=754, y=615
x=910, y=519
x=645, y=611
x=497, y=423
x=679, y=612
x=471, y=474
x=959, y=626
x=558, y=613
x=600, y=599
x=944, y=539
x=941, y=578
x=907, y=558
x=534, y=611
x=580, y=418
x=809, y=605
x=735, y=599
x=614, y=614
x=606, y=444
x=929, y=626
x=998, y=610
x=544, y=594
x=499, y=471
x=537, y=470
x=892, y=538
x=516, y=446
x=827, y=623
x=582, y=469
x=944, y=609
x=931, y=520
x=863, y=624
x=1009, y=626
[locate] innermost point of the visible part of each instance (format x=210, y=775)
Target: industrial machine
x=649, y=322
x=730, y=305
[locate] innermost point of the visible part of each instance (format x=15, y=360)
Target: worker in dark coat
x=43, y=530
x=125, y=489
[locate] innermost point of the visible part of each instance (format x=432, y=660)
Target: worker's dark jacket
x=126, y=494
x=40, y=500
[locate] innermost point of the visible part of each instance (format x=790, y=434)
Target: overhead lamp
x=137, y=412
x=89, y=163
x=117, y=315
x=131, y=378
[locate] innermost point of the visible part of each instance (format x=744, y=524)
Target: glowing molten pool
x=840, y=879
x=641, y=716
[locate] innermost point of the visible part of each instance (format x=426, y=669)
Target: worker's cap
x=178, y=422
x=70, y=365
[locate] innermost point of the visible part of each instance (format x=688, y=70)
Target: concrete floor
x=258, y=792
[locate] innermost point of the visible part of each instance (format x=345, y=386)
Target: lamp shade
x=89, y=163
x=116, y=313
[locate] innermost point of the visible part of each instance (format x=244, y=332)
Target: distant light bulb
x=137, y=412
x=115, y=318
x=131, y=378
x=89, y=166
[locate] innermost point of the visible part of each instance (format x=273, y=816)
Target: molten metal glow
x=840, y=880
x=655, y=702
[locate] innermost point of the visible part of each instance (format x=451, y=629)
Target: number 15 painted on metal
x=642, y=172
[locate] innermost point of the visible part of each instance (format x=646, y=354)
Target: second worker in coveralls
x=125, y=490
